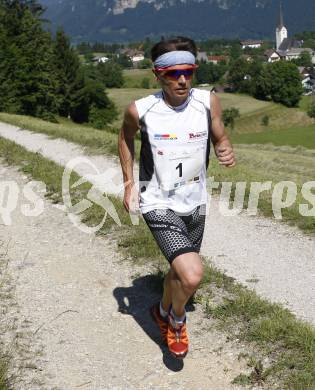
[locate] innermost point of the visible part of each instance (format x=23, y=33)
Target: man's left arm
x=222, y=145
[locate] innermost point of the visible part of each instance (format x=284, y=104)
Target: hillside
x=122, y=20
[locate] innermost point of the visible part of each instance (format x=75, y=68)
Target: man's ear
x=155, y=74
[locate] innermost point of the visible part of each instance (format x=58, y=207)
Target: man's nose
x=182, y=79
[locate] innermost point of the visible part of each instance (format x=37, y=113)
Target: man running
x=177, y=126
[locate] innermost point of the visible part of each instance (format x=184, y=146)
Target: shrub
x=145, y=83
x=311, y=109
x=265, y=120
x=100, y=117
x=229, y=116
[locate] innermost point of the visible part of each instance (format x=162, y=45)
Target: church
x=286, y=48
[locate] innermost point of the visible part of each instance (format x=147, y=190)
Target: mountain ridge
x=129, y=20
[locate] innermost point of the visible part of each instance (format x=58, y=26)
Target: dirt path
x=85, y=314
x=274, y=259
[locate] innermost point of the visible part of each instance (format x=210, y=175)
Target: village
x=284, y=48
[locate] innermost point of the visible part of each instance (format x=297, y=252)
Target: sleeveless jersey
x=174, y=156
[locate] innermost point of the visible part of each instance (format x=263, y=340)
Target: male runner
x=177, y=125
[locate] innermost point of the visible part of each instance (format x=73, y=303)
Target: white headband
x=175, y=57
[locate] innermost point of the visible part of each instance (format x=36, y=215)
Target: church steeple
x=281, y=24
x=281, y=31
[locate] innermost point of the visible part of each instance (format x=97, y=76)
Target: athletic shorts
x=177, y=234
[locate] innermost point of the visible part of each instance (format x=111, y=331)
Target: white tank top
x=174, y=153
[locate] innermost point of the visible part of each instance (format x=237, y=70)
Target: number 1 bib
x=179, y=166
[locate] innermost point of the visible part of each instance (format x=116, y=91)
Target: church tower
x=281, y=31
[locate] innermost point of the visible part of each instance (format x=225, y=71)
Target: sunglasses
x=175, y=74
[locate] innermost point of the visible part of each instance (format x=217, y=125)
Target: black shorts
x=177, y=234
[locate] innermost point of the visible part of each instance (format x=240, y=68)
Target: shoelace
x=176, y=336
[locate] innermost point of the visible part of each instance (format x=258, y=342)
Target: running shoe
x=160, y=321
x=177, y=340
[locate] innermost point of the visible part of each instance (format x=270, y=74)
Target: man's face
x=176, y=80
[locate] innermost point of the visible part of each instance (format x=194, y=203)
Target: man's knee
x=192, y=280
x=189, y=270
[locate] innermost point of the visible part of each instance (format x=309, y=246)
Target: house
x=216, y=59
x=307, y=81
x=247, y=57
x=137, y=57
x=251, y=44
x=202, y=56
x=296, y=53
x=289, y=43
x=271, y=55
x=100, y=58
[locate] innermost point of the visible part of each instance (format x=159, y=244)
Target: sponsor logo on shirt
x=198, y=135
x=160, y=137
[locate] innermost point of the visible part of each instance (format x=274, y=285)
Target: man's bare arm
x=126, y=150
x=222, y=145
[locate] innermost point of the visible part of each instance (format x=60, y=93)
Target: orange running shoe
x=177, y=340
x=160, y=321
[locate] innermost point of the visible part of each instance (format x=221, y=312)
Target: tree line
x=279, y=81
x=41, y=75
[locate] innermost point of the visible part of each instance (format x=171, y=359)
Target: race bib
x=178, y=167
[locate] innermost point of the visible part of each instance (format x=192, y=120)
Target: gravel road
x=274, y=259
x=82, y=318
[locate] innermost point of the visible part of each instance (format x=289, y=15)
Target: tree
x=281, y=82
x=265, y=120
x=27, y=82
x=243, y=75
x=145, y=83
x=209, y=72
x=305, y=60
x=145, y=64
x=90, y=103
x=229, y=115
x=237, y=75
x=40, y=76
x=124, y=61
x=110, y=74
x=311, y=109
x=66, y=64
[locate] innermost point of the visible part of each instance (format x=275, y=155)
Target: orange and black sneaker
x=177, y=339
x=160, y=321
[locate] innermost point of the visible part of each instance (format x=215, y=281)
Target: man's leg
x=187, y=270
x=167, y=290
x=183, y=281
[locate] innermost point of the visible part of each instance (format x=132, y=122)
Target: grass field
x=305, y=102
x=134, y=77
x=294, y=136
x=251, y=110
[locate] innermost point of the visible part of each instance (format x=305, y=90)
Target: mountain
x=130, y=20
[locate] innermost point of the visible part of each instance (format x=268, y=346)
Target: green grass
x=304, y=103
x=294, y=136
x=268, y=330
x=134, y=77
x=261, y=163
x=288, y=343
x=122, y=97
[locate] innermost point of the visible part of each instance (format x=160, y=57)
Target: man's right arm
x=126, y=150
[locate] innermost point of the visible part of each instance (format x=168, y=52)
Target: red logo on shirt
x=200, y=134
